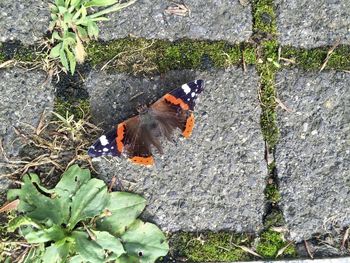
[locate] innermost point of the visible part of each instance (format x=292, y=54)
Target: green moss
x=79, y=108
x=314, y=58
x=264, y=16
x=271, y=243
x=272, y=194
x=210, y=246
x=274, y=218
x=154, y=56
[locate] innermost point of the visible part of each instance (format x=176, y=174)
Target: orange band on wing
x=120, y=136
x=189, y=126
x=143, y=160
x=176, y=101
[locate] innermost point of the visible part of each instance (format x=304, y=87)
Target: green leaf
x=92, y=29
x=90, y=200
x=56, y=253
x=76, y=259
x=55, y=51
x=127, y=259
x=21, y=221
x=54, y=233
x=55, y=35
x=146, y=241
x=109, y=243
x=123, y=208
x=100, y=19
x=75, y=2
x=72, y=180
x=82, y=33
x=63, y=59
x=67, y=18
x=72, y=61
x=88, y=249
x=39, y=207
x=100, y=3
x=35, y=254
x=59, y=2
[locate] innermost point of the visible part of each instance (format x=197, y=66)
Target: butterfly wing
x=129, y=139
x=174, y=109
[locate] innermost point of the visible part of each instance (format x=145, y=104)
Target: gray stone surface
x=313, y=154
x=213, y=20
x=23, y=97
x=23, y=20
x=313, y=23
x=212, y=181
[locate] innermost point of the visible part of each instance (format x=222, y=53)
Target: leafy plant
x=80, y=221
x=72, y=24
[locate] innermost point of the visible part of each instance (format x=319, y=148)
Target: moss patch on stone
x=138, y=55
x=264, y=16
x=210, y=246
x=79, y=108
x=272, y=194
x=313, y=59
x=272, y=244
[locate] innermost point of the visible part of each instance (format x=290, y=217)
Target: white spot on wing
x=188, y=99
x=193, y=94
x=103, y=140
x=105, y=149
x=186, y=88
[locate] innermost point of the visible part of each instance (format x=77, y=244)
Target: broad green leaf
x=109, y=243
x=76, y=259
x=67, y=18
x=100, y=3
x=38, y=206
x=59, y=2
x=123, y=208
x=92, y=29
x=127, y=259
x=35, y=254
x=72, y=180
x=88, y=249
x=62, y=10
x=55, y=51
x=21, y=221
x=111, y=9
x=55, y=35
x=63, y=59
x=90, y=200
x=56, y=253
x=72, y=61
x=146, y=241
x=53, y=233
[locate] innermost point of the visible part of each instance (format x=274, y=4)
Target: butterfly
x=135, y=136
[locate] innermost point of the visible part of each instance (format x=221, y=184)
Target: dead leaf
x=178, y=10
x=248, y=250
x=345, y=237
x=281, y=251
x=9, y=206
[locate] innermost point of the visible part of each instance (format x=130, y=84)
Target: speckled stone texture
x=23, y=20
x=24, y=95
x=213, y=20
x=313, y=23
x=313, y=154
x=212, y=181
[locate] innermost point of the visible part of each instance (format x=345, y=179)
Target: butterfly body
x=136, y=136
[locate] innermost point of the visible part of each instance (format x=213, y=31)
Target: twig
x=329, y=53
x=345, y=237
x=308, y=249
x=243, y=63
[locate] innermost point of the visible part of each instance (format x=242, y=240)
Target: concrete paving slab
x=313, y=154
x=23, y=20
x=212, y=20
x=212, y=181
x=23, y=98
x=313, y=23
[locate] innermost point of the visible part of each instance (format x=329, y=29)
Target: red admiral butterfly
x=135, y=136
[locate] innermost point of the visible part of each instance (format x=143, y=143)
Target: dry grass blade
x=329, y=54
x=9, y=206
x=248, y=250
x=281, y=251
x=345, y=237
x=112, y=184
x=281, y=104
x=308, y=249
x=280, y=229
x=7, y=63
x=41, y=125
x=178, y=10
